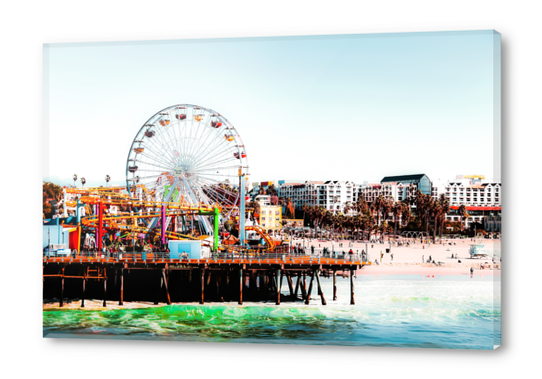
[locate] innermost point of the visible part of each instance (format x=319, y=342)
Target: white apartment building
x=483, y=194
x=482, y=200
x=398, y=191
x=332, y=194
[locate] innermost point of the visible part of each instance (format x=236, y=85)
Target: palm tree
x=396, y=210
x=272, y=190
x=463, y=214
x=74, y=179
x=257, y=210
x=387, y=206
x=406, y=214
x=305, y=209
x=290, y=210
x=376, y=206
x=435, y=212
x=361, y=206
x=83, y=181
x=444, y=208
x=423, y=208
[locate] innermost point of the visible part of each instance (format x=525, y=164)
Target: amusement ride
x=186, y=175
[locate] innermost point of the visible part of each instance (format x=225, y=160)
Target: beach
x=412, y=260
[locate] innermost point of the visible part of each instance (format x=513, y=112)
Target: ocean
x=444, y=311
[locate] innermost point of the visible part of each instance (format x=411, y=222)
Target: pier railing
x=231, y=256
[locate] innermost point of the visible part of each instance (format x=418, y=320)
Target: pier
x=223, y=278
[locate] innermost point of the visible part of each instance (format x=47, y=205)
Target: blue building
x=421, y=181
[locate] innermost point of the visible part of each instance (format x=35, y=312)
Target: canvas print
x=315, y=190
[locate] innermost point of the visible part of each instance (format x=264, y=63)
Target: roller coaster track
x=261, y=231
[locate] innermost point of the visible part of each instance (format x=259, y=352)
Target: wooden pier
x=161, y=279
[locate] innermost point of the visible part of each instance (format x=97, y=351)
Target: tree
x=435, y=213
x=51, y=192
x=290, y=210
x=406, y=214
x=376, y=206
x=423, y=208
x=463, y=214
x=361, y=206
x=348, y=207
x=445, y=208
x=271, y=190
x=228, y=225
x=257, y=210
x=305, y=209
x=396, y=210
x=387, y=206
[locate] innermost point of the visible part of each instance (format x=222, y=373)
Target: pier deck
x=219, y=278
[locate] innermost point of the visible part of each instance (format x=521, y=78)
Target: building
x=271, y=218
x=263, y=199
x=421, y=181
x=333, y=195
x=397, y=191
x=482, y=201
x=257, y=186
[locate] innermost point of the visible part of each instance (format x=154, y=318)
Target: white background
x=25, y=26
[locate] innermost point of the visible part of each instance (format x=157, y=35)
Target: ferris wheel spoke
x=210, y=147
x=158, y=152
x=208, y=154
x=193, y=133
x=208, y=172
x=197, y=145
x=217, y=188
x=144, y=177
x=153, y=157
x=178, y=139
x=170, y=139
x=160, y=149
x=211, y=164
x=217, y=161
x=155, y=165
x=201, y=132
x=166, y=149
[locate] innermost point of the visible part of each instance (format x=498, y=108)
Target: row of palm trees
x=372, y=218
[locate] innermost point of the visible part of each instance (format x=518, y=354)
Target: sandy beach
x=413, y=259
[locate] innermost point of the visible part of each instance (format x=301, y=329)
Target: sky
x=348, y=107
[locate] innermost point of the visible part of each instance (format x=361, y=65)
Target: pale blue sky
x=353, y=107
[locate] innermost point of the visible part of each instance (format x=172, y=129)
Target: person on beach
x=423, y=258
x=391, y=256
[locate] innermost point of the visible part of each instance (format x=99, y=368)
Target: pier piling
x=352, y=302
x=263, y=280
x=105, y=288
x=334, y=285
x=320, y=292
x=240, y=285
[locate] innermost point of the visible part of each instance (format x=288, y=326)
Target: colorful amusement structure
x=186, y=174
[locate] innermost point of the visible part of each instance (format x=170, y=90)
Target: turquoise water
x=456, y=312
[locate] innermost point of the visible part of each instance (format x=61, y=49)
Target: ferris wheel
x=189, y=154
